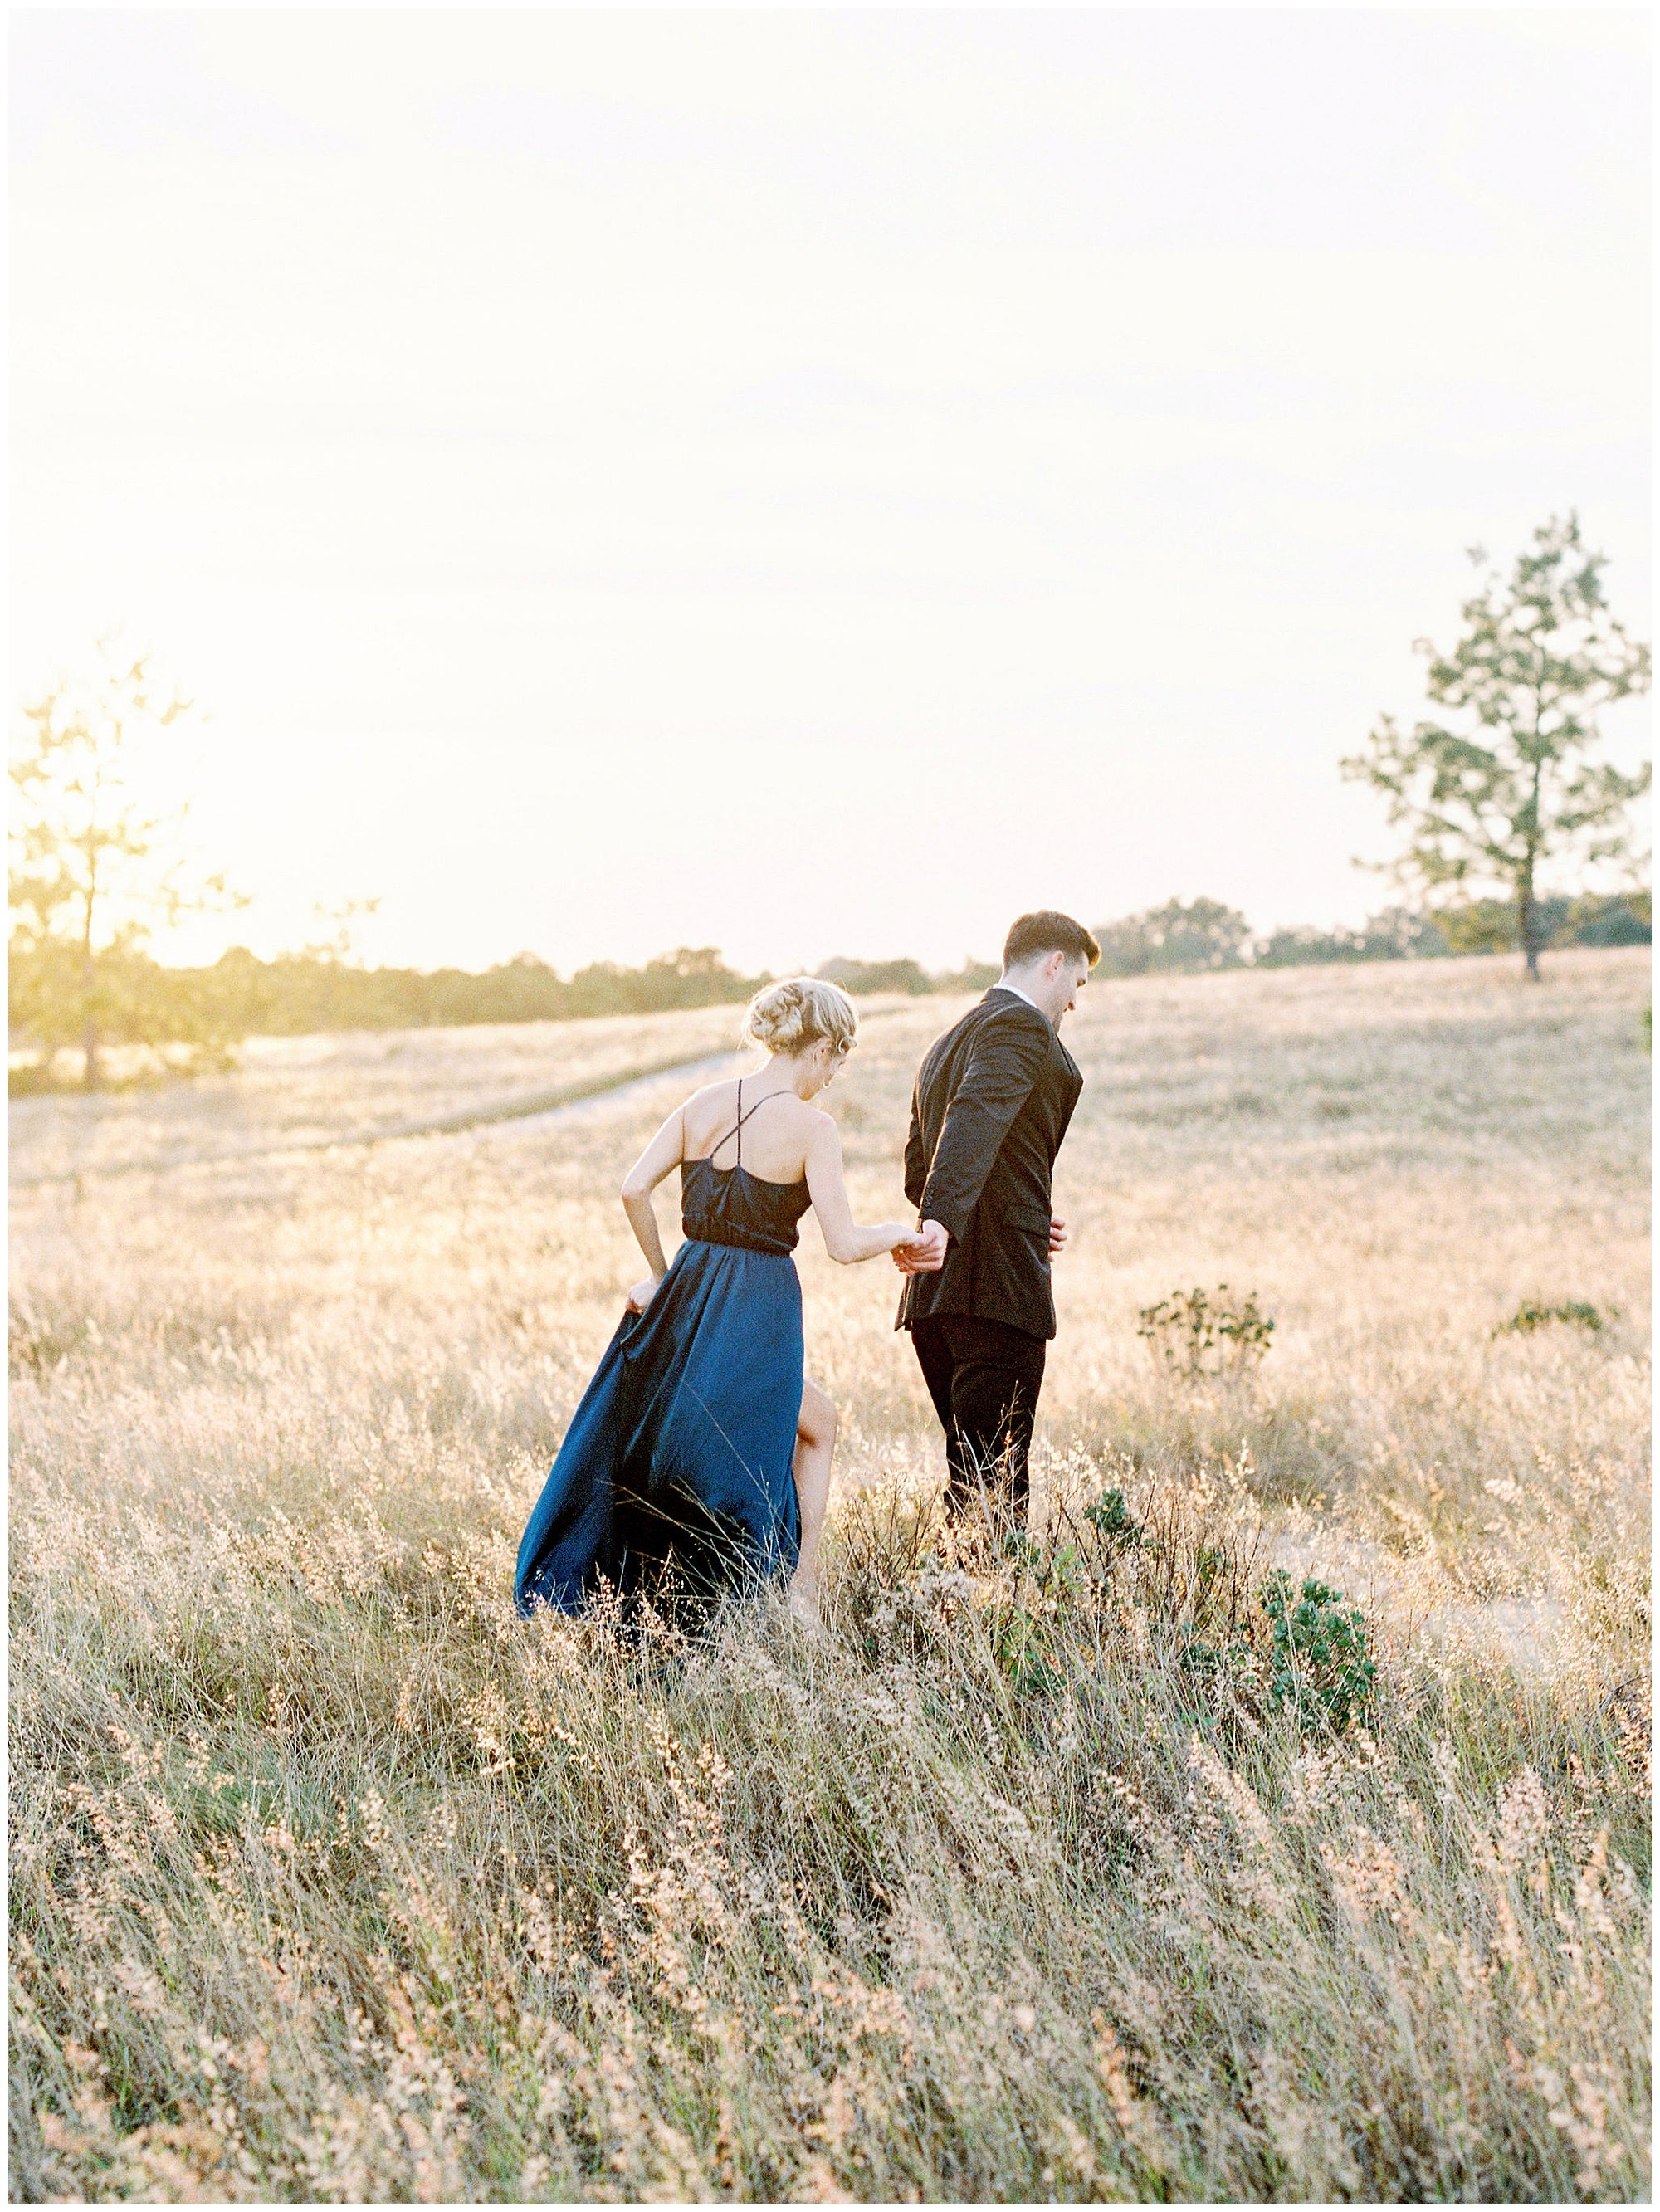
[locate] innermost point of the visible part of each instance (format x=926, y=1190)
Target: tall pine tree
x=1508, y=786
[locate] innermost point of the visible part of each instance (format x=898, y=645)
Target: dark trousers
x=983, y=1377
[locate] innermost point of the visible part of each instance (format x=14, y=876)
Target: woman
x=700, y=1455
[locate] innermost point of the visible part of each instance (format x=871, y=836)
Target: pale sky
x=807, y=483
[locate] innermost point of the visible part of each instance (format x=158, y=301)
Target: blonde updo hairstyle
x=790, y=1016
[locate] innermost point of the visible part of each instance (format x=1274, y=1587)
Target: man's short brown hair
x=1047, y=932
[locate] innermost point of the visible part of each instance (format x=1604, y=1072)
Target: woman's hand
x=920, y=1251
x=639, y=1297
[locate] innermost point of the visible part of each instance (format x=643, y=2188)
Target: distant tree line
x=195, y=1016
x=1194, y=935
x=864, y=978
x=1504, y=786
x=201, y=1012
x=1179, y=938
x=294, y=993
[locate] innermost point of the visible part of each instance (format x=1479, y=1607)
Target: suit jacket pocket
x=1025, y=1236
x=1024, y=1217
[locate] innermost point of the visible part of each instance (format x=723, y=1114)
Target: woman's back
x=770, y=1145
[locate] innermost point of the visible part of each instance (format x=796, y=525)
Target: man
x=992, y=1099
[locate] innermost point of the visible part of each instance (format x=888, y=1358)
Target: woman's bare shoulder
x=709, y=1094
x=785, y=1111
x=800, y=1112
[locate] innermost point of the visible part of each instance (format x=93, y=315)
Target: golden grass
x=333, y=1879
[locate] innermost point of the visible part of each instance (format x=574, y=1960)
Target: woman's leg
x=815, y=1441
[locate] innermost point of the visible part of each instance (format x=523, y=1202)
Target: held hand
x=923, y=1252
x=1057, y=1234
x=639, y=1297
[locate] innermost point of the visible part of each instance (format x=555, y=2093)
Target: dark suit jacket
x=992, y=1099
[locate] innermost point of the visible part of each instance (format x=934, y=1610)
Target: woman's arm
x=665, y=1151
x=845, y=1239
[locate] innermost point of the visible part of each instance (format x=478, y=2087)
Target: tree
x=1397, y=933
x=1178, y=937
x=1513, y=788
x=864, y=976
x=94, y=873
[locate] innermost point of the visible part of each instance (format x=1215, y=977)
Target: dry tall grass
x=1035, y=1877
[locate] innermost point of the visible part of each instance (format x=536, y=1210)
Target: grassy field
x=1070, y=1871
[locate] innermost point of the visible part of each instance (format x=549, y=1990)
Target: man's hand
x=925, y=1255
x=1057, y=1234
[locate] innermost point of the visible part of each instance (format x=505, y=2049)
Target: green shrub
x=1197, y=1333
x=1529, y=1315
x=1319, y=1666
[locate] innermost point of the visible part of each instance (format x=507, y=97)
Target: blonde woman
x=700, y=1455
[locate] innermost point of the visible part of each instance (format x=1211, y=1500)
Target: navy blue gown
x=676, y=1473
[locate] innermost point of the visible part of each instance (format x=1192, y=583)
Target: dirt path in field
x=525, y=1111
x=536, y=1109
x=602, y=1099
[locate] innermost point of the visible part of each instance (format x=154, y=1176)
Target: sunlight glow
x=810, y=483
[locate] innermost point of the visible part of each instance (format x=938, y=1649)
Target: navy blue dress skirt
x=676, y=1473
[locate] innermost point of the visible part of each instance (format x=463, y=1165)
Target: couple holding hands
x=699, y=1457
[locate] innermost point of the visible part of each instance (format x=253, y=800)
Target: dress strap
x=737, y=1128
